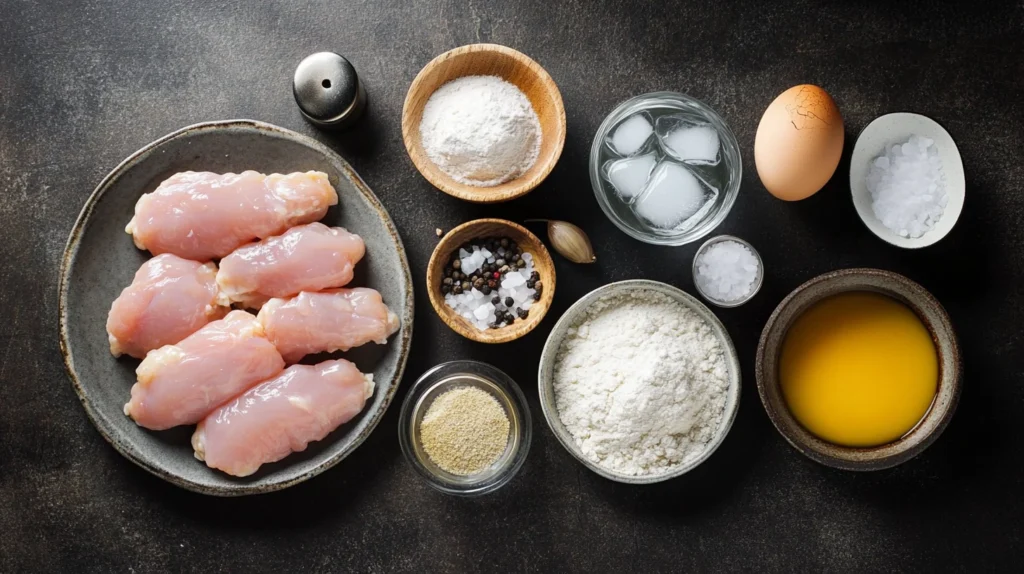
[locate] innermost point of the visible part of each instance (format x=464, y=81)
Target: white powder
x=908, y=191
x=641, y=383
x=480, y=130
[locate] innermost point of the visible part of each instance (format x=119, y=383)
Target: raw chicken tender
x=281, y=416
x=306, y=258
x=181, y=384
x=331, y=320
x=203, y=216
x=167, y=301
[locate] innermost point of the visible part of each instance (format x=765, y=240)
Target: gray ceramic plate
x=100, y=260
x=572, y=317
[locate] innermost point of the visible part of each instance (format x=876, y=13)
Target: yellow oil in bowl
x=858, y=369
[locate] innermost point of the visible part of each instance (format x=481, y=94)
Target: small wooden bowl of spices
x=465, y=428
x=491, y=280
x=484, y=123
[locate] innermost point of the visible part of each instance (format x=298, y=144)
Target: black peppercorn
x=496, y=300
x=530, y=283
x=522, y=313
x=504, y=242
x=535, y=276
x=446, y=289
x=493, y=325
x=457, y=289
x=509, y=302
x=456, y=275
x=485, y=290
x=536, y=296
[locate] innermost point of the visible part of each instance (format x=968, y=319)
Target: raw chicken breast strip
x=305, y=258
x=169, y=299
x=281, y=416
x=203, y=216
x=331, y=320
x=181, y=384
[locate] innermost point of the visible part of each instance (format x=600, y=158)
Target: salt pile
x=726, y=271
x=480, y=309
x=908, y=191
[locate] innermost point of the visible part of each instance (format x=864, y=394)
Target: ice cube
x=630, y=136
x=687, y=140
x=674, y=197
x=629, y=175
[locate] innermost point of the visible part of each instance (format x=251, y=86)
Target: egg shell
x=799, y=142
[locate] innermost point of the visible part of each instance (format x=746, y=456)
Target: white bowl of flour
x=639, y=381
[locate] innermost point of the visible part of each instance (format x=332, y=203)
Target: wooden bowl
x=515, y=68
x=476, y=229
x=935, y=319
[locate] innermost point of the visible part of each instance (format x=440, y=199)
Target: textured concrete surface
x=85, y=83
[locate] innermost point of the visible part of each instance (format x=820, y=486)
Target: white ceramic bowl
x=571, y=317
x=897, y=128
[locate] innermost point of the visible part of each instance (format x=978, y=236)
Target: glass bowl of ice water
x=665, y=168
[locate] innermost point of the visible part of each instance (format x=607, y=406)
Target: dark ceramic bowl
x=931, y=314
x=100, y=260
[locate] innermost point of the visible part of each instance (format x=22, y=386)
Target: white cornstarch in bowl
x=641, y=383
x=481, y=130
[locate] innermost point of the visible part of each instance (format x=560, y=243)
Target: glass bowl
x=724, y=176
x=462, y=374
x=753, y=288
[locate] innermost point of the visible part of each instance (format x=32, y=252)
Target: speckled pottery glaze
x=100, y=260
x=935, y=319
x=572, y=317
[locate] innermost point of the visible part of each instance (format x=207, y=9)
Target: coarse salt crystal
x=726, y=271
x=907, y=186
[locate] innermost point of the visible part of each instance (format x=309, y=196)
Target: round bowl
x=935, y=319
x=546, y=371
x=757, y=280
x=487, y=378
x=100, y=260
x=728, y=173
x=896, y=128
x=515, y=68
x=478, y=228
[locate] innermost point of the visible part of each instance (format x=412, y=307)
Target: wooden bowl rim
x=509, y=190
x=459, y=324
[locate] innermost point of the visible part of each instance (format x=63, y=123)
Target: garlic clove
x=570, y=242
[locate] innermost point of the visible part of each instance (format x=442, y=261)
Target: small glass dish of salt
x=727, y=271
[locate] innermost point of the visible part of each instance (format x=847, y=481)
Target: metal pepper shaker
x=328, y=91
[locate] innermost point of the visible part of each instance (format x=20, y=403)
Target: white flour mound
x=480, y=130
x=641, y=383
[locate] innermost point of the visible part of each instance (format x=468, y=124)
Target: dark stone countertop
x=83, y=84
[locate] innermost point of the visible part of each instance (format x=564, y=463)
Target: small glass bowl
x=462, y=374
x=620, y=213
x=757, y=280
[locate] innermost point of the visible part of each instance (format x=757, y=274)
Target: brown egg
x=798, y=142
